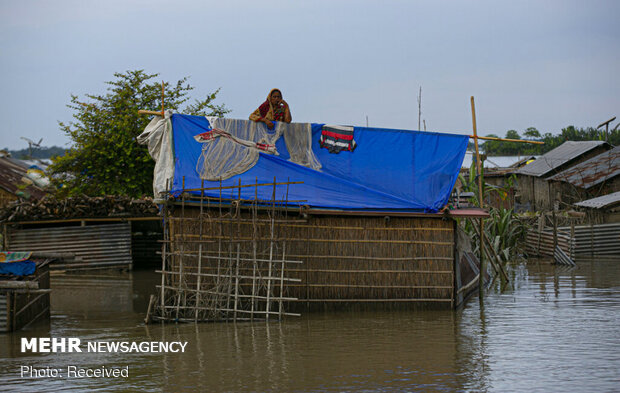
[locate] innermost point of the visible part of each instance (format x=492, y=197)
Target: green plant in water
x=504, y=230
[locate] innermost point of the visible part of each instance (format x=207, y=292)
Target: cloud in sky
x=544, y=64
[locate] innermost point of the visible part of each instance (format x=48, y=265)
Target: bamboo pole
x=219, y=252
x=198, y=282
x=361, y=241
x=236, y=306
x=236, y=275
x=490, y=138
x=495, y=260
x=280, y=305
x=147, y=319
x=335, y=257
x=240, y=311
x=271, y=240
x=330, y=285
x=207, y=256
x=248, y=221
x=230, y=256
x=146, y=112
x=182, y=251
x=162, y=113
x=254, y=248
x=243, y=186
x=238, y=262
x=480, y=197
x=419, y=300
x=19, y=284
x=240, y=296
x=163, y=254
x=348, y=271
x=391, y=259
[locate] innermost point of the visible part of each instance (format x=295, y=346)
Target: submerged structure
x=24, y=290
x=266, y=223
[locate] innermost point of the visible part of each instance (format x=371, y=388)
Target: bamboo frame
x=480, y=196
x=285, y=224
x=209, y=268
x=216, y=287
x=360, y=241
x=238, y=260
x=237, y=275
x=336, y=257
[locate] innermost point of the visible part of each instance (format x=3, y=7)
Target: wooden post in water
x=480, y=199
x=555, y=225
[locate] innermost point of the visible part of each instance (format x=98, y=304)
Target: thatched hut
x=311, y=227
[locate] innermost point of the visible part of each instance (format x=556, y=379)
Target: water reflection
x=549, y=329
x=320, y=352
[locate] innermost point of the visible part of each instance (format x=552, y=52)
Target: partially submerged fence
x=581, y=240
x=210, y=272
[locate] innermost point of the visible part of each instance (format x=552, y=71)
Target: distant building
x=19, y=180
x=534, y=186
x=497, y=162
x=497, y=172
x=595, y=177
x=602, y=210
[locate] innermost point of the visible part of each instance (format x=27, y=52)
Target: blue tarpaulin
x=23, y=268
x=389, y=170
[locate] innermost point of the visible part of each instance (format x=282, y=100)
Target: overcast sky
x=544, y=64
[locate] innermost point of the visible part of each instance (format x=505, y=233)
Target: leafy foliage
x=105, y=157
x=504, y=229
x=505, y=232
x=570, y=133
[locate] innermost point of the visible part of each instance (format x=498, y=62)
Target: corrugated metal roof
x=594, y=171
x=11, y=173
x=493, y=162
x=559, y=156
x=601, y=202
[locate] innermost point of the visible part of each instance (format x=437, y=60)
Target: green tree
x=492, y=148
x=512, y=134
x=105, y=158
x=512, y=148
x=532, y=133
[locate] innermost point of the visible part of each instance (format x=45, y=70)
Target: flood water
x=550, y=329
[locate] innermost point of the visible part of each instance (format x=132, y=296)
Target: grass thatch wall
x=353, y=259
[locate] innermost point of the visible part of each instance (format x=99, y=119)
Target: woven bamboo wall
x=353, y=259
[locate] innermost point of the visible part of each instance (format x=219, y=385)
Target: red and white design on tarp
x=210, y=136
x=337, y=138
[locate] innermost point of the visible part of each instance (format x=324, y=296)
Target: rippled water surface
x=550, y=329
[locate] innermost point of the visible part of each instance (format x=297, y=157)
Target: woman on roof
x=273, y=109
